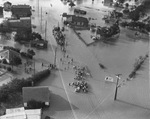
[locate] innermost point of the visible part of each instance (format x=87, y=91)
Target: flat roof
x=20, y=113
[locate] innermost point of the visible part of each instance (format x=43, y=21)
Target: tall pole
x=38, y=7
x=55, y=56
x=34, y=66
x=118, y=77
x=41, y=19
x=45, y=29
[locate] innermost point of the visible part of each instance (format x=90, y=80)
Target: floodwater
x=117, y=55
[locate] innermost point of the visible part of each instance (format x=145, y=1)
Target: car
x=78, y=11
x=109, y=79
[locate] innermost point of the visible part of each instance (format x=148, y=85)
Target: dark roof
x=21, y=6
x=40, y=93
x=80, y=19
x=11, y=53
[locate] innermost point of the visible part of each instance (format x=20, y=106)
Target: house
x=7, y=6
x=21, y=10
x=8, y=54
x=108, y=2
x=40, y=93
x=21, y=113
x=77, y=21
x=23, y=23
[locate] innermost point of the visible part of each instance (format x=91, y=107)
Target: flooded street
x=117, y=55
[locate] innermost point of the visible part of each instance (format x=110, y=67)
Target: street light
x=118, y=78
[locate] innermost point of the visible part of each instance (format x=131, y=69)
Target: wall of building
x=22, y=23
x=21, y=12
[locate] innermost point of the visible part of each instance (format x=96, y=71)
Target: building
x=21, y=11
x=78, y=21
x=40, y=93
x=23, y=23
x=8, y=55
x=7, y=6
x=1, y=10
x=21, y=113
x=108, y=2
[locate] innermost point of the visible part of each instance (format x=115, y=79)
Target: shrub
x=40, y=75
x=17, y=84
x=4, y=93
x=26, y=55
x=7, y=91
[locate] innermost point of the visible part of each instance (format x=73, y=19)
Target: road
x=118, y=57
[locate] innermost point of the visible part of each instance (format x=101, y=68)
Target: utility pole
x=34, y=66
x=55, y=56
x=45, y=29
x=38, y=7
x=41, y=19
x=118, y=78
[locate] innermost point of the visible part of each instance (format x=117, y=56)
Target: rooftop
x=77, y=18
x=21, y=113
x=40, y=93
x=21, y=6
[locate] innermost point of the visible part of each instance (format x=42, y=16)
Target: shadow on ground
x=57, y=103
x=48, y=80
x=139, y=106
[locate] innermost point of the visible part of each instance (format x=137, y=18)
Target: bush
x=7, y=91
x=26, y=55
x=17, y=84
x=32, y=104
x=40, y=75
x=4, y=93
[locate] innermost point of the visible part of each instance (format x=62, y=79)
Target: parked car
x=78, y=11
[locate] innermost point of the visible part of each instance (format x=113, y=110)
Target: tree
x=31, y=52
x=71, y=4
x=134, y=15
x=4, y=92
x=126, y=5
x=17, y=84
